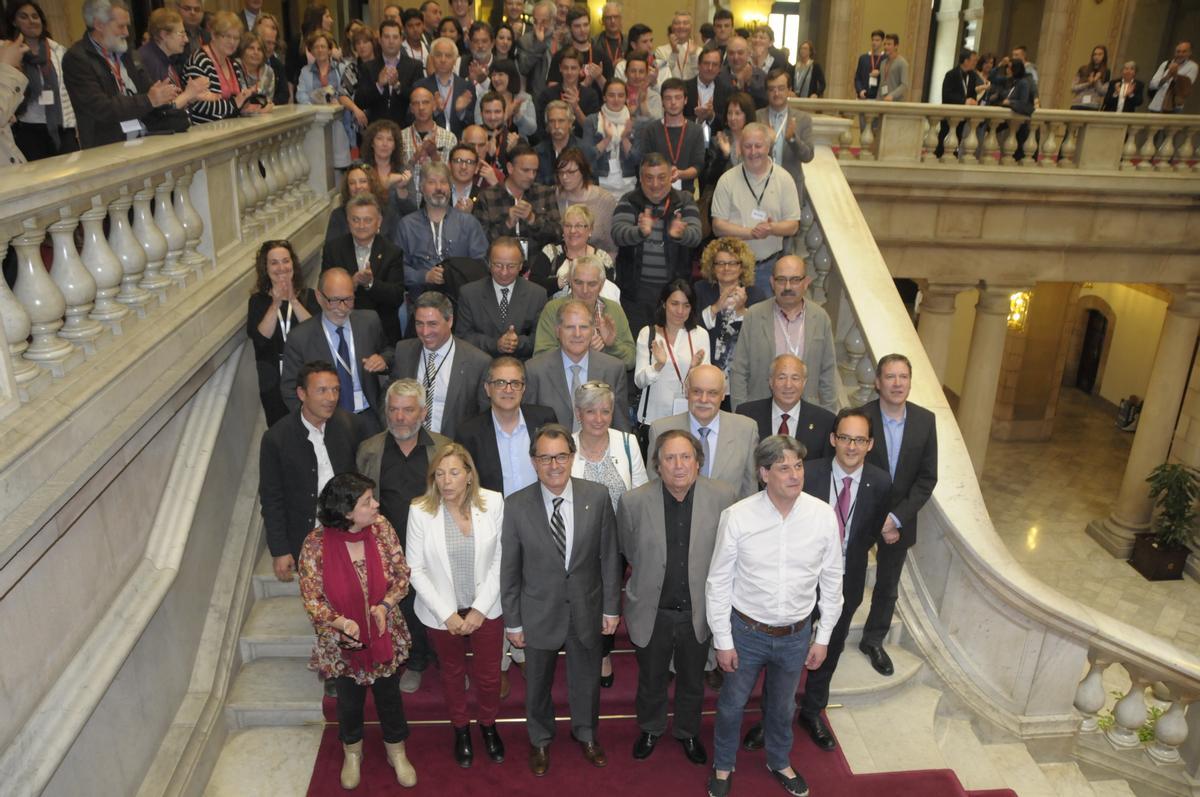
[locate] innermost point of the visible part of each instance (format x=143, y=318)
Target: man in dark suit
x=958, y=88
x=787, y=413
x=375, y=263
x=708, y=93
x=866, y=73
x=291, y=474
x=383, y=88
x=667, y=529
x=498, y=439
x=454, y=96
x=905, y=446
x=552, y=376
x=452, y=370
x=353, y=340
x=560, y=585
x=499, y=314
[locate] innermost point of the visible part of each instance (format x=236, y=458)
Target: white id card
x=1086, y=99
x=758, y=214
x=46, y=97
x=131, y=127
x=679, y=405
x=873, y=81
x=677, y=185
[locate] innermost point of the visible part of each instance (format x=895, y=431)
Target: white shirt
x=443, y=364
x=768, y=566
x=316, y=436
x=1160, y=81
x=566, y=511
x=363, y=254
x=498, y=288
x=836, y=480
x=664, y=388
x=777, y=418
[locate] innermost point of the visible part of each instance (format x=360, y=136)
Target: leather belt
x=773, y=630
x=771, y=256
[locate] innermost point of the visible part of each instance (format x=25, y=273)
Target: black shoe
x=492, y=743
x=818, y=731
x=794, y=785
x=694, y=750
x=463, y=753
x=606, y=681
x=753, y=740
x=719, y=788
x=714, y=678
x=879, y=658
x=644, y=745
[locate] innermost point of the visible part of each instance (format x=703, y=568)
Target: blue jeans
x=783, y=657
x=763, y=271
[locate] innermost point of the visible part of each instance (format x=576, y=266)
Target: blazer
x=453, y=120
x=369, y=458
x=546, y=384
x=386, y=293
x=308, y=342
x=391, y=104
x=810, y=424
x=538, y=593
x=749, y=377
x=478, y=436
x=641, y=533
x=916, y=469
x=465, y=397
x=733, y=461
x=869, y=510
x=479, y=315
x=722, y=91
x=953, y=86
x=1131, y=103
x=626, y=456
x=799, y=150
x=429, y=561
x=287, y=477
x=862, y=75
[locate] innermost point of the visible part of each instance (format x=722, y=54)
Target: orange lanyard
x=671, y=351
x=674, y=152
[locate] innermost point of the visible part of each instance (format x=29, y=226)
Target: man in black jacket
x=384, y=86
x=958, y=88
x=374, y=263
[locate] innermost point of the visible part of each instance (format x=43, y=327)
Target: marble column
x=986, y=355
x=936, y=322
x=1152, y=441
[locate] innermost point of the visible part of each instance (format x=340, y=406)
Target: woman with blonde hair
x=215, y=62
x=723, y=294
x=454, y=552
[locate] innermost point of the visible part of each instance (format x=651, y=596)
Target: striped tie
x=558, y=530
x=430, y=376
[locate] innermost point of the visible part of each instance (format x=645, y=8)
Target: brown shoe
x=505, y=686
x=594, y=753
x=539, y=760
x=714, y=678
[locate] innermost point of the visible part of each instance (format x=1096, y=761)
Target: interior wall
x=960, y=340
x=1139, y=324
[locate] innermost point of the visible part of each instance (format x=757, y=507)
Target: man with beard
x=479, y=65
x=596, y=67
x=435, y=233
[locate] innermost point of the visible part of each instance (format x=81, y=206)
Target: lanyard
x=336, y=354
x=671, y=351
x=517, y=229
x=285, y=326
x=611, y=55
x=674, y=152
x=665, y=209
x=787, y=338
x=114, y=66
x=436, y=229
x=426, y=378
x=759, y=196
x=681, y=61
x=875, y=59
x=837, y=496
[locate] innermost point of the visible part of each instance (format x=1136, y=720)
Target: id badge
x=131, y=127
x=679, y=405
x=46, y=97
x=758, y=214
x=1086, y=99
x=873, y=81
x=677, y=185
x=524, y=242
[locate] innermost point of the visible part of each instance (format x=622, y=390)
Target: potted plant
x=1161, y=555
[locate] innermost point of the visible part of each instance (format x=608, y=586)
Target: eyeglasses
x=558, y=459
x=344, y=301
x=790, y=281
x=508, y=384
x=464, y=161
x=724, y=263
x=575, y=227
x=569, y=171
x=496, y=264
x=848, y=440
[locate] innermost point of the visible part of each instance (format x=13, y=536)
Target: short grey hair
x=435, y=167
x=437, y=300
x=672, y=434
x=405, y=388
x=592, y=394
x=548, y=4
x=364, y=200
x=1131, y=64
x=101, y=11
x=772, y=449
x=587, y=261
x=556, y=105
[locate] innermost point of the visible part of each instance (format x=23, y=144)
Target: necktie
x=783, y=427
x=843, y=509
x=558, y=530
x=708, y=463
x=504, y=305
x=575, y=369
x=430, y=374
x=345, y=380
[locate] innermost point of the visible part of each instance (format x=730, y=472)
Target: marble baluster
x=274, y=180
x=75, y=283
x=1170, y=732
x=846, y=139
x=1186, y=152
x=129, y=252
x=933, y=126
x=294, y=169
x=1166, y=151
x=950, y=145
x=1129, y=715
x=245, y=192
x=42, y=300
x=1070, y=144
x=822, y=263
x=1129, y=152
x=991, y=146
x=104, y=266
x=1050, y=144
x=305, y=167
x=16, y=323
x=192, y=221
x=814, y=241
x=172, y=231
x=152, y=241
x=864, y=372
x=1090, y=696
x=867, y=151
x=1146, y=153
x=262, y=205
x=970, y=142
x=1009, y=148
x=854, y=348
x=291, y=191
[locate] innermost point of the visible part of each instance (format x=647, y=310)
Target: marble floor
x=1041, y=497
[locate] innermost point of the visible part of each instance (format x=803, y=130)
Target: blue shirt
x=515, y=465
x=583, y=370
x=459, y=235
x=715, y=430
x=360, y=398
x=893, y=436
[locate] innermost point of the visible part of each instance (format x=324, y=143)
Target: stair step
x=1111, y=788
x=1067, y=780
x=964, y=754
x=854, y=634
x=265, y=583
x=274, y=691
x=1021, y=773
x=265, y=762
x=855, y=680
x=277, y=627
x=867, y=732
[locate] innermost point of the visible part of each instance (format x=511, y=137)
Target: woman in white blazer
x=608, y=456
x=454, y=554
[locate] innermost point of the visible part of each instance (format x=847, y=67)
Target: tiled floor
x=1041, y=497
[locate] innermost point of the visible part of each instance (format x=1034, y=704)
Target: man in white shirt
x=1173, y=81
x=679, y=55
x=774, y=550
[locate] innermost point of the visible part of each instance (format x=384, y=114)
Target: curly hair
x=735, y=247
x=262, y=281
x=339, y=497
x=368, y=142
x=377, y=187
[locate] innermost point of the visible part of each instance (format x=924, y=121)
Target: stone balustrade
x=111, y=234
x=956, y=135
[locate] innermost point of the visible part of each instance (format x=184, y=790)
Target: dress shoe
x=406, y=776
x=818, y=731
x=410, y=681
x=351, y=764
x=606, y=681
x=719, y=788
x=644, y=745
x=491, y=742
x=505, y=686
x=694, y=750
x=593, y=752
x=714, y=678
x=793, y=785
x=753, y=740
x=539, y=760
x=463, y=753
x=879, y=658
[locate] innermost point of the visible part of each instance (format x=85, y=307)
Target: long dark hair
x=1087, y=69
x=660, y=312
x=10, y=19
x=262, y=283
x=338, y=498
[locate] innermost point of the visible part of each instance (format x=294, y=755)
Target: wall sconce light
x=1018, y=310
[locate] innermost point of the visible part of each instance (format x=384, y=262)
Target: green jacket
x=622, y=347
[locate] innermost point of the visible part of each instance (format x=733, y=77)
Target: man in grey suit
x=560, y=585
x=667, y=529
x=451, y=370
x=552, y=376
x=728, y=440
x=352, y=340
x=499, y=314
x=793, y=145
x=786, y=324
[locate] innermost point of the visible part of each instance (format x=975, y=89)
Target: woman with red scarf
x=352, y=577
x=215, y=62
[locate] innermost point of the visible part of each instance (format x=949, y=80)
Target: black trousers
x=816, y=684
x=351, y=697
x=889, y=564
x=673, y=636
x=421, y=652
x=583, y=690
x=35, y=143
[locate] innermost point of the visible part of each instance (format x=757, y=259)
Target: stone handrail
x=941, y=135
x=1010, y=647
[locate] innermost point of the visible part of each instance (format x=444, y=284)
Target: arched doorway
x=1091, y=339
x=1094, y=333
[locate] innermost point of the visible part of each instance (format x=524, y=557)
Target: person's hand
x=512, y=140
x=364, y=277
x=523, y=209
x=488, y=174
x=463, y=102
x=698, y=357
x=762, y=229
x=592, y=72
x=374, y=364
x=659, y=351
x=12, y=53
x=464, y=204
x=439, y=104
x=539, y=33
x=508, y=342
x=570, y=97
x=723, y=142
x=1004, y=101
x=597, y=343
x=874, y=73
x=862, y=95
x=890, y=533
x=727, y=660
x=704, y=111
x=477, y=72
x=889, y=98
x=737, y=299
x=403, y=179
x=607, y=328
x=790, y=135
x=609, y=130
x=388, y=76
x=1172, y=68
x=379, y=614
x=162, y=92
x=816, y=656
x=471, y=623
x=436, y=275
x=360, y=118
x=972, y=101
x=429, y=146
x=350, y=631
x=645, y=222
x=678, y=226
x=514, y=217
x=608, y=626
x=454, y=624
x=284, y=566
x=194, y=88
x=516, y=638
x=243, y=97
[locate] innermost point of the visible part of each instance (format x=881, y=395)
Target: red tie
x=783, y=429
x=843, y=509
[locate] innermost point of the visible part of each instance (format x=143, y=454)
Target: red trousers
x=486, y=646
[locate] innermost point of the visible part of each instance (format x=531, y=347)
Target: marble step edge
x=1066, y=779
x=963, y=751
x=1021, y=772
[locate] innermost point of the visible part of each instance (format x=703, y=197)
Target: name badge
x=131, y=127
x=679, y=405
x=873, y=81
x=46, y=97
x=884, y=91
x=1086, y=99
x=677, y=185
x=758, y=214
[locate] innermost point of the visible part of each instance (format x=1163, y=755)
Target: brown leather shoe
x=539, y=760
x=505, y=686
x=594, y=753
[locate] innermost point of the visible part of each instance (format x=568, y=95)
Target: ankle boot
x=491, y=742
x=405, y=774
x=351, y=764
x=463, y=753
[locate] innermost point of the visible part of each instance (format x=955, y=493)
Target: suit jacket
x=465, y=397
x=916, y=469
x=630, y=468
x=810, y=424
x=641, y=532
x=799, y=150
x=307, y=343
x=479, y=315
x=862, y=75
x=546, y=384
x=540, y=595
x=548, y=161
x=868, y=512
x=751, y=371
x=733, y=461
x=478, y=436
x=1131, y=103
x=369, y=458
x=391, y=104
x=386, y=293
x=453, y=120
x=953, y=86
x=722, y=91
x=287, y=477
